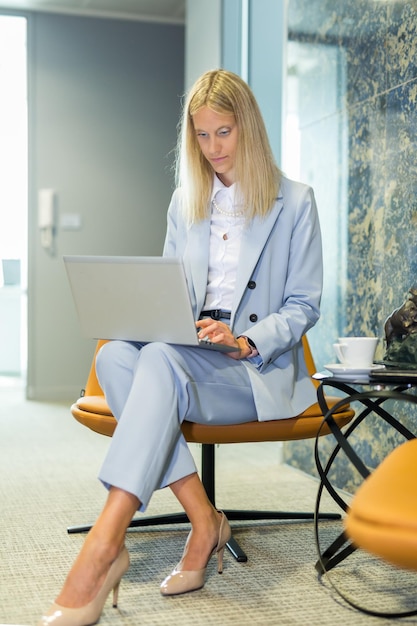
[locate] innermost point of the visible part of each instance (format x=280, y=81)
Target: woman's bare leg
x=101, y=547
x=205, y=522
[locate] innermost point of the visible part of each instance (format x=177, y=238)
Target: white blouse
x=225, y=237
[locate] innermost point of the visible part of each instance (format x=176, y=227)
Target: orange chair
x=382, y=520
x=92, y=410
x=382, y=517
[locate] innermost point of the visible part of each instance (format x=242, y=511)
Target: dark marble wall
x=352, y=92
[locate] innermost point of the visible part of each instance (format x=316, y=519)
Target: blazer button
x=251, y=284
x=253, y=317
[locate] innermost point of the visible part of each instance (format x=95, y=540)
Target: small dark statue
x=401, y=333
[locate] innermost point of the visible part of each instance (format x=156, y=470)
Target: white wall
x=104, y=104
x=203, y=38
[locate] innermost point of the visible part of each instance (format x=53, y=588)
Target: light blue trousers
x=151, y=389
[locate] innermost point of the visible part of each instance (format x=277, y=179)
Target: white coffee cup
x=356, y=352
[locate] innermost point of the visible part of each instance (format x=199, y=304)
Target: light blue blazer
x=277, y=295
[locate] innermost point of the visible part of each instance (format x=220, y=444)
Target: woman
x=250, y=242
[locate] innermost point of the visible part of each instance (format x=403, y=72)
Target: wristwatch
x=251, y=344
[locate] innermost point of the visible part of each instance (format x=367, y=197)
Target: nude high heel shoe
x=182, y=581
x=90, y=613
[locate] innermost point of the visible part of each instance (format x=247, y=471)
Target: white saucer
x=338, y=369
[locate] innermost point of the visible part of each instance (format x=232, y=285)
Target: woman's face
x=217, y=135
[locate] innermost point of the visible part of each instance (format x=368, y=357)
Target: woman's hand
x=219, y=332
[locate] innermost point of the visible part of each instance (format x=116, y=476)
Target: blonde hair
x=257, y=174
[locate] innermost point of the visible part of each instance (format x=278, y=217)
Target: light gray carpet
x=48, y=465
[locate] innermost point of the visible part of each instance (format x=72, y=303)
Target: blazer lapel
x=197, y=256
x=253, y=242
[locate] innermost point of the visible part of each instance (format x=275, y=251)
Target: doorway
x=13, y=196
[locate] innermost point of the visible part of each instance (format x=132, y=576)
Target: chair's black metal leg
x=236, y=551
x=153, y=520
x=247, y=515
x=157, y=520
x=208, y=470
x=78, y=529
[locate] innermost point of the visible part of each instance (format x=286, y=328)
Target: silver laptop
x=135, y=299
